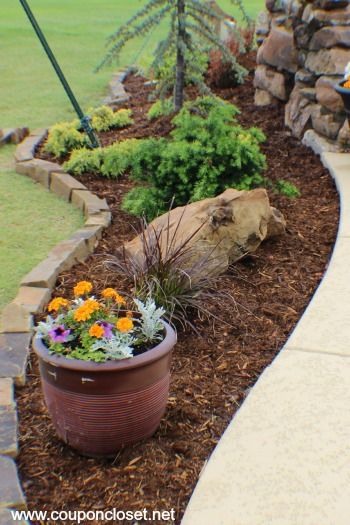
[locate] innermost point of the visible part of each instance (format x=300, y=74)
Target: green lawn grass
x=27, y=235
x=76, y=30
x=32, y=220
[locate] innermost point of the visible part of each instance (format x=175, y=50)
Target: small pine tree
x=190, y=27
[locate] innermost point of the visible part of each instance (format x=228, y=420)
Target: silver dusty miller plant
x=120, y=347
x=151, y=325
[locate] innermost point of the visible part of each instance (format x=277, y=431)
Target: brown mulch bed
x=211, y=373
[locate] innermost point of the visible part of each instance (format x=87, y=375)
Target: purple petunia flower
x=107, y=329
x=59, y=334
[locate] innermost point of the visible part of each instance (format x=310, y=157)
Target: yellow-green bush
x=104, y=118
x=68, y=136
x=111, y=161
x=63, y=138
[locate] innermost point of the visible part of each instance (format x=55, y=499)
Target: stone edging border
x=284, y=458
x=117, y=94
x=16, y=321
x=12, y=135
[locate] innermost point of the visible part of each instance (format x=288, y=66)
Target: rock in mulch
x=219, y=231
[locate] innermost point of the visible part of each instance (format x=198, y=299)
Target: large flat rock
x=215, y=232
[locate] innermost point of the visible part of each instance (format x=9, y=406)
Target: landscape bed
x=212, y=372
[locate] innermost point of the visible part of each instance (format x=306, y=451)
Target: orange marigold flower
x=109, y=293
x=85, y=311
x=347, y=84
x=82, y=288
x=96, y=330
x=92, y=305
x=57, y=303
x=82, y=314
x=124, y=324
x=119, y=299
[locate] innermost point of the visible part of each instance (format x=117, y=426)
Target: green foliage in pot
x=99, y=330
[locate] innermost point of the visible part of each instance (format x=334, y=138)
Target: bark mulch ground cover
x=211, y=373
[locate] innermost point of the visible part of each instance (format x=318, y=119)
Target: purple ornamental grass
x=59, y=334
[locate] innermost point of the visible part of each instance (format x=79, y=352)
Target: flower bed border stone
x=16, y=321
x=12, y=136
x=117, y=94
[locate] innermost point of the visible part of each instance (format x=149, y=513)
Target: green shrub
x=104, y=118
x=111, y=161
x=208, y=152
x=122, y=118
x=63, y=138
x=85, y=161
x=67, y=136
x=147, y=157
x=143, y=201
x=161, y=108
x=118, y=157
x=288, y=189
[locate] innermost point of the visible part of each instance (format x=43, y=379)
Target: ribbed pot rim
x=341, y=89
x=163, y=348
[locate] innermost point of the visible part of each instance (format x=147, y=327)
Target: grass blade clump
x=168, y=269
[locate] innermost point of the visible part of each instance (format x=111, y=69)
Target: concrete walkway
x=285, y=457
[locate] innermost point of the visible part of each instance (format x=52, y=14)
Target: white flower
x=150, y=319
x=79, y=301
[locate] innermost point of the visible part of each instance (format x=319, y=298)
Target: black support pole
x=84, y=119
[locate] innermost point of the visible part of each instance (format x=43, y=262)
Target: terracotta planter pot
x=345, y=94
x=97, y=408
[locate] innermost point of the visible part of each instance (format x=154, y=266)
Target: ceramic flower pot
x=345, y=94
x=97, y=408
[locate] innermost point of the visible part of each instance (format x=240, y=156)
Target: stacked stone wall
x=303, y=50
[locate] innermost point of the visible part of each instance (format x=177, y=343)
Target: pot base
x=100, y=425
